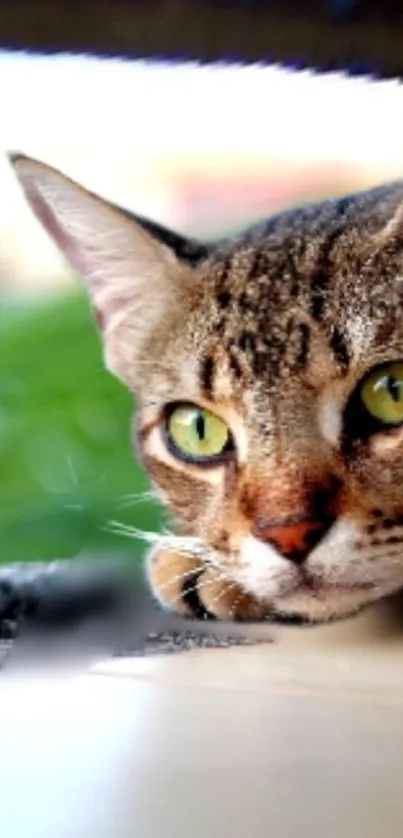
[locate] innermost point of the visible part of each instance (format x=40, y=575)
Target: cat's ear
x=133, y=269
x=393, y=229
x=387, y=211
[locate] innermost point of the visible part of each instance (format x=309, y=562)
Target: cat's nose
x=293, y=539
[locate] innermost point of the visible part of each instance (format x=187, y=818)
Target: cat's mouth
x=320, y=602
x=313, y=599
x=326, y=586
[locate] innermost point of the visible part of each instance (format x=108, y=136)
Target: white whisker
x=134, y=499
x=230, y=586
x=119, y=528
x=188, y=546
x=204, y=585
x=187, y=574
x=185, y=545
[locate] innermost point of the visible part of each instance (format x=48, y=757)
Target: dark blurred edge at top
x=353, y=35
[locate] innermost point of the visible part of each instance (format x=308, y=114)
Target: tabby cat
x=268, y=371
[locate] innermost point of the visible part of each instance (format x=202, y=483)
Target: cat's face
x=269, y=379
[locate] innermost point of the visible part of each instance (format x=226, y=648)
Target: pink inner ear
x=49, y=221
x=65, y=243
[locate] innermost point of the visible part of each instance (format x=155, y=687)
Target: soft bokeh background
x=201, y=149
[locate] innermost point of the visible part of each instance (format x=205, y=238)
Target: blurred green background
x=65, y=456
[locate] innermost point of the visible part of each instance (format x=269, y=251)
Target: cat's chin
x=327, y=602
x=333, y=603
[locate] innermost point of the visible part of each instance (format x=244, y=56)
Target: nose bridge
x=280, y=494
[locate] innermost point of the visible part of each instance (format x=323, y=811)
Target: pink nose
x=293, y=540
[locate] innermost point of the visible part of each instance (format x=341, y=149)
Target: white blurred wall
x=150, y=135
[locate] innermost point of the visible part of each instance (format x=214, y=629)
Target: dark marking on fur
x=224, y=299
x=219, y=325
x=244, y=303
x=318, y=287
x=303, y=352
x=259, y=362
x=182, y=487
x=321, y=275
x=295, y=279
x=386, y=329
x=191, y=598
x=226, y=266
x=339, y=349
x=207, y=375
x=388, y=523
x=247, y=342
x=235, y=366
x=257, y=266
x=187, y=250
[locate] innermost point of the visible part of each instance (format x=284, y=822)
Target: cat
x=268, y=374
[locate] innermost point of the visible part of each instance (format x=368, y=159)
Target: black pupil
x=200, y=426
x=393, y=388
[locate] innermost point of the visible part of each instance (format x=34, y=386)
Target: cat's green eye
x=382, y=394
x=197, y=435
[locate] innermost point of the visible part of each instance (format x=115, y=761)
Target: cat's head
x=268, y=371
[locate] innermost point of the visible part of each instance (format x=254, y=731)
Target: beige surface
x=302, y=737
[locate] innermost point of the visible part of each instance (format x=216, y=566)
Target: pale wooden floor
x=301, y=737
